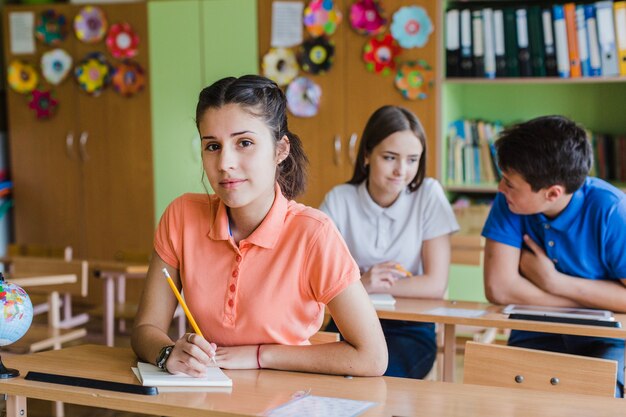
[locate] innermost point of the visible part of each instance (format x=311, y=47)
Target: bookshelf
x=595, y=102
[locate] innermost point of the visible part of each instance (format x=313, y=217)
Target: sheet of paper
x=382, y=299
x=455, y=312
x=287, y=23
x=22, y=33
x=314, y=406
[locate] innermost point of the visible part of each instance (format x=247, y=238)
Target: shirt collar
x=268, y=232
x=395, y=211
x=566, y=218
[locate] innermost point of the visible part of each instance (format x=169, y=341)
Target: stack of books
x=566, y=40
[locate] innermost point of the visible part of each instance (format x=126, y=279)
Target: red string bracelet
x=258, y=356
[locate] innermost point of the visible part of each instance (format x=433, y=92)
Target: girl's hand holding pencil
x=194, y=348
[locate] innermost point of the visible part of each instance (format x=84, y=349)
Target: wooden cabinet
x=84, y=177
x=350, y=94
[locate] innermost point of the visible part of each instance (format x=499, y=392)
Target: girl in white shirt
x=394, y=219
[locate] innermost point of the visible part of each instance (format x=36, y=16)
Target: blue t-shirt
x=586, y=240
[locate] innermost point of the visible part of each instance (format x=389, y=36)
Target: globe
x=16, y=315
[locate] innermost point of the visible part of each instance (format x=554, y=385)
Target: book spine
x=548, y=41
x=583, y=47
x=595, y=63
x=560, y=34
x=466, y=44
x=619, y=9
x=478, y=45
x=498, y=44
x=453, y=43
x=523, y=45
x=489, y=38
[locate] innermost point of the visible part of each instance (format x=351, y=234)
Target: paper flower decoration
x=55, y=65
x=316, y=55
x=51, y=27
x=93, y=73
x=43, y=103
x=122, y=41
x=303, y=97
x=321, y=17
x=414, y=79
x=128, y=78
x=380, y=54
x=90, y=24
x=22, y=77
x=411, y=27
x=366, y=17
x=280, y=66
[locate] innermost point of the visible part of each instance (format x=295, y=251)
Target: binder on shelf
x=583, y=47
x=453, y=43
x=498, y=43
x=572, y=40
x=489, y=40
x=619, y=9
x=510, y=42
x=560, y=36
x=467, y=68
x=535, y=35
x=595, y=63
x=549, y=46
x=523, y=45
x=478, y=46
x=606, y=38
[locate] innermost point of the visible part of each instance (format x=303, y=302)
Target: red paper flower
x=122, y=41
x=380, y=54
x=43, y=103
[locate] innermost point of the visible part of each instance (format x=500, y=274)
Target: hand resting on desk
x=191, y=355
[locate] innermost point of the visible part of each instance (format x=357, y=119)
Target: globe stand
x=6, y=373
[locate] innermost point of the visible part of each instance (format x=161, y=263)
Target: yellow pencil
x=404, y=271
x=183, y=305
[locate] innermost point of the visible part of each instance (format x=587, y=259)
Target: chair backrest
x=39, y=251
x=513, y=367
x=324, y=337
x=52, y=266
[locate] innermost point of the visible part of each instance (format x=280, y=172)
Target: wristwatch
x=164, y=354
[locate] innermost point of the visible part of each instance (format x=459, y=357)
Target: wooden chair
x=513, y=367
x=59, y=330
x=324, y=337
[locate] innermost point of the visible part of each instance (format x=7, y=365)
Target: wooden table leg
x=109, y=309
x=120, y=298
x=449, y=351
x=16, y=406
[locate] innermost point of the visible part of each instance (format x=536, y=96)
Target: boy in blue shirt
x=556, y=237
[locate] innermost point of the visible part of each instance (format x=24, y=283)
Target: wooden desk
x=257, y=391
x=114, y=275
x=412, y=309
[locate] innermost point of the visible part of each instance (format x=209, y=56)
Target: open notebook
x=150, y=375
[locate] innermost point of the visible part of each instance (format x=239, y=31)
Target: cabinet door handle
x=337, y=156
x=352, y=148
x=82, y=140
x=69, y=145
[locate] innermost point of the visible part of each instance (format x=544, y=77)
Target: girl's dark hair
x=386, y=121
x=262, y=98
x=546, y=151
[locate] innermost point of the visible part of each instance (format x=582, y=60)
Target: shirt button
x=546, y=226
x=232, y=287
x=551, y=243
x=231, y=303
x=238, y=258
x=236, y=272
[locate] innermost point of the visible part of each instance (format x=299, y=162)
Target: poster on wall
x=286, y=23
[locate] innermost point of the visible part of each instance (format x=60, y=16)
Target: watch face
x=164, y=354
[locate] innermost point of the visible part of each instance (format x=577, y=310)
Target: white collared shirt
x=377, y=234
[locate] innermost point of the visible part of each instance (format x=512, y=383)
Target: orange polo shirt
x=272, y=287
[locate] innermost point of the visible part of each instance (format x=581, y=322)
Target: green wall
x=191, y=46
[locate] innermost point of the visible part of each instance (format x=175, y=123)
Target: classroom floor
x=38, y=408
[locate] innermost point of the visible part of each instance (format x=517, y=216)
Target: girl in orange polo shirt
x=256, y=268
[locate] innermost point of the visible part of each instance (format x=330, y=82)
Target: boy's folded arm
x=505, y=285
